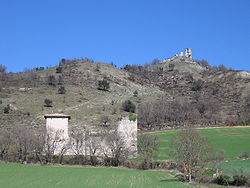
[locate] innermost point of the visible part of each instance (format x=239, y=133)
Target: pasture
x=234, y=140
x=28, y=176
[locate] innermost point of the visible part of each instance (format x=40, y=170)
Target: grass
x=84, y=102
x=232, y=140
x=27, y=176
x=236, y=167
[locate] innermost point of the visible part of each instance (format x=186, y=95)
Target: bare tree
x=245, y=109
x=93, y=147
x=2, y=68
x=147, y=147
x=190, y=149
x=5, y=142
x=53, y=140
x=78, y=141
x=115, y=150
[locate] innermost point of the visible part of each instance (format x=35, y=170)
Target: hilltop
x=189, y=82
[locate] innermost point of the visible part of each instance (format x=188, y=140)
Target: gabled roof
x=56, y=116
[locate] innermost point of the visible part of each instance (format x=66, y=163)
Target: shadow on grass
x=170, y=180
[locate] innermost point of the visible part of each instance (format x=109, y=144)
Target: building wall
x=58, y=124
x=128, y=130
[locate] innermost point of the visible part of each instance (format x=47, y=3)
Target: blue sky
x=36, y=33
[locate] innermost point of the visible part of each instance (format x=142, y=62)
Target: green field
x=27, y=176
x=236, y=167
x=233, y=140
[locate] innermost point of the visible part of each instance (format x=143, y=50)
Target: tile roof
x=56, y=116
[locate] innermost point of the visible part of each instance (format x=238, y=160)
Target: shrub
x=197, y=85
x=181, y=177
x=60, y=80
x=51, y=80
x=59, y=69
x=97, y=68
x=222, y=180
x=239, y=180
x=245, y=155
x=171, y=67
x=48, y=103
x=103, y=85
x=6, y=109
x=205, y=179
x=61, y=90
x=132, y=117
x=128, y=106
x=135, y=94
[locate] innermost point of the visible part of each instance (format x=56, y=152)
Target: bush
x=59, y=69
x=239, y=180
x=132, y=117
x=171, y=67
x=48, y=103
x=197, y=86
x=103, y=85
x=60, y=80
x=205, y=179
x=223, y=180
x=135, y=94
x=245, y=155
x=51, y=80
x=6, y=109
x=181, y=177
x=128, y=106
x=61, y=90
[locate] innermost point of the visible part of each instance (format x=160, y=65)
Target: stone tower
x=128, y=131
x=57, y=128
x=188, y=53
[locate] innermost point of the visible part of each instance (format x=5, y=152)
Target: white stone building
x=128, y=131
x=57, y=130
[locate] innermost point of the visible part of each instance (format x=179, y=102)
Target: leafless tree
x=2, y=68
x=93, y=146
x=115, y=150
x=5, y=142
x=147, y=147
x=245, y=109
x=53, y=140
x=190, y=149
x=79, y=137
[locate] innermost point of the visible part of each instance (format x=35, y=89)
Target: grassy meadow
x=28, y=176
x=233, y=140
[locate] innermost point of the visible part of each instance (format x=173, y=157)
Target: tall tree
x=147, y=147
x=190, y=150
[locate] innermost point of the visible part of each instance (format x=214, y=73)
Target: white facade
x=58, y=125
x=57, y=130
x=128, y=131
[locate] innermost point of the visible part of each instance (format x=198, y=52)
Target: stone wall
x=128, y=131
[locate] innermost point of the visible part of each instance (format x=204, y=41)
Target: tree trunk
x=190, y=178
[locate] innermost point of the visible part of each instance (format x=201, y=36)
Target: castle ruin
x=188, y=53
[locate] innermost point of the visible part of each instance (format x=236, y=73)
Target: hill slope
x=179, y=79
